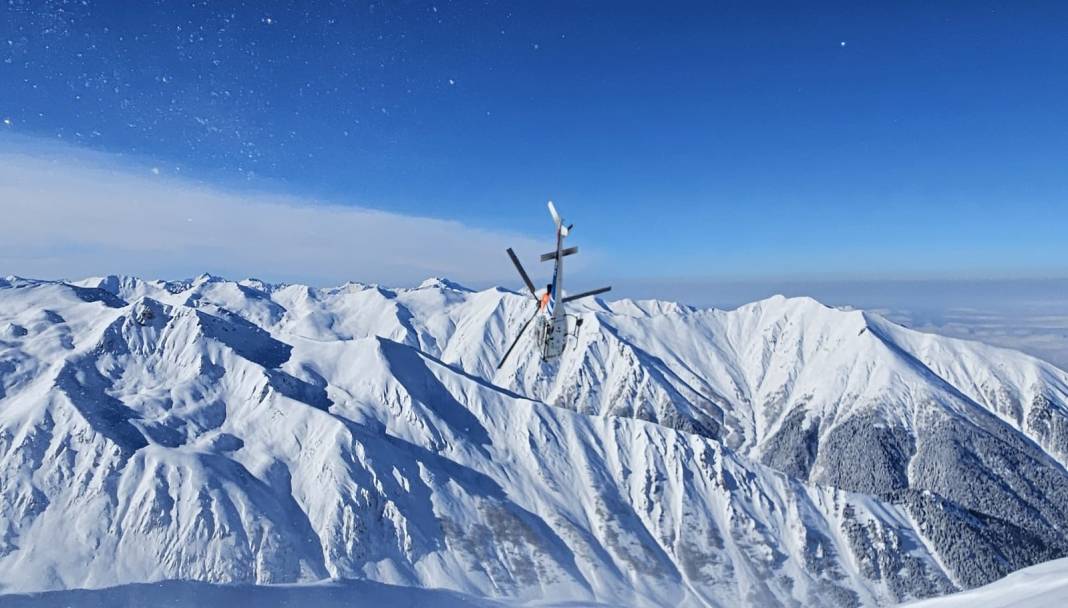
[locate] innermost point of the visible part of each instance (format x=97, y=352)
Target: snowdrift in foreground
x=191, y=594
x=247, y=433
x=1041, y=586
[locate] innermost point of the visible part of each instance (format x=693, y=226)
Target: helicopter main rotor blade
x=522, y=273
x=545, y=257
x=586, y=294
x=516, y=341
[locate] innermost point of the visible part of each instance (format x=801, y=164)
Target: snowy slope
x=1041, y=586
x=194, y=594
x=218, y=431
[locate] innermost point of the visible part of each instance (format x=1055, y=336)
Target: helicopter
x=552, y=328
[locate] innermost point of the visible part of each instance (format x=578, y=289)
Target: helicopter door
x=554, y=337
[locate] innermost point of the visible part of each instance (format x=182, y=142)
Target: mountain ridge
x=252, y=384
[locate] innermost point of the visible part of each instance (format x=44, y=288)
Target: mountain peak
x=442, y=283
x=206, y=277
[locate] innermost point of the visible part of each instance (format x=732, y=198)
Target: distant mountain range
x=782, y=453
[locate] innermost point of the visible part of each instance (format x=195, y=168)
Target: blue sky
x=710, y=140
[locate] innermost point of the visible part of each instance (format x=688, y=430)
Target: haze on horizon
x=904, y=158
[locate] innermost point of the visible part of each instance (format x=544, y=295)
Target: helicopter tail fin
x=560, y=227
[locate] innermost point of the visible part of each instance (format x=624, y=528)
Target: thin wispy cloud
x=1036, y=333
x=70, y=213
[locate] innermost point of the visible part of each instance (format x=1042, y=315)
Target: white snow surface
x=248, y=433
x=193, y=594
x=1041, y=586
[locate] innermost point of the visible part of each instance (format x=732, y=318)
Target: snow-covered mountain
x=783, y=452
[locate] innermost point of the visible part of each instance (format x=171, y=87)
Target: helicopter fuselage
x=552, y=327
x=550, y=317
